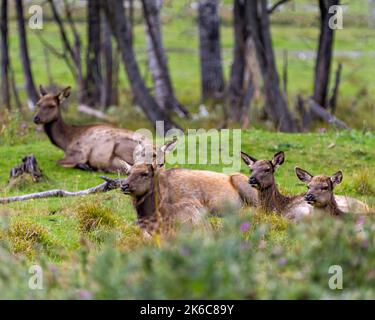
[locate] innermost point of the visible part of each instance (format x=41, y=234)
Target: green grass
x=90, y=247
x=351, y=152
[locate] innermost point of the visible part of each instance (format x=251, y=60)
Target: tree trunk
x=276, y=104
x=25, y=60
x=114, y=11
x=5, y=92
x=93, y=67
x=324, y=55
x=107, y=83
x=240, y=87
x=164, y=93
x=212, y=79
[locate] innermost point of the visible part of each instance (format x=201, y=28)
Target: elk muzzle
x=125, y=188
x=36, y=119
x=254, y=182
x=310, y=198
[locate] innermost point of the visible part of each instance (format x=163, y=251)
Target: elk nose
x=253, y=181
x=36, y=120
x=125, y=188
x=309, y=197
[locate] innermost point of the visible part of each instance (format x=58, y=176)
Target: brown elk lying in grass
x=320, y=194
x=298, y=206
x=270, y=199
x=164, y=195
x=88, y=147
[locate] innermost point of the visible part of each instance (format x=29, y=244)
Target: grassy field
x=90, y=248
x=58, y=233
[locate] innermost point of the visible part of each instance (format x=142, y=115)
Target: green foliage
x=233, y=262
x=26, y=237
x=92, y=216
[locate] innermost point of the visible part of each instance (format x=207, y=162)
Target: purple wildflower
x=84, y=294
x=282, y=261
x=361, y=221
x=245, y=227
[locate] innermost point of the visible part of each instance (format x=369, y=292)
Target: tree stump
x=25, y=173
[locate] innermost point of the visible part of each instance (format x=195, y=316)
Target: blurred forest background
x=263, y=64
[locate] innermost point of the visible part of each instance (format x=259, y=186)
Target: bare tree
x=212, y=79
x=71, y=51
x=24, y=54
x=276, y=104
x=93, y=66
x=108, y=66
x=240, y=86
x=164, y=93
x=5, y=92
x=324, y=55
x=114, y=11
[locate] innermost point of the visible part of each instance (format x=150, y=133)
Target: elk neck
x=145, y=205
x=60, y=133
x=272, y=200
x=333, y=208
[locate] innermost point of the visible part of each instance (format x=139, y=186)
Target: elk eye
x=324, y=188
x=144, y=174
x=267, y=170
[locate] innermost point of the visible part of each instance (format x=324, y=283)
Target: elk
x=87, y=147
x=270, y=199
x=320, y=194
x=163, y=195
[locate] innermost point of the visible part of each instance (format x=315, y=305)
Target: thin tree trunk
x=212, y=79
x=25, y=60
x=324, y=55
x=240, y=86
x=5, y=92
x=72, y=52
x=93, y=66
x=114, y=11
x=164, y=93
x=276, y=104
x=107, y=83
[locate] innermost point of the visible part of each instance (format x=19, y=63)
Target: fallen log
x=324, y=115
x=95, y=113
x=108, y=185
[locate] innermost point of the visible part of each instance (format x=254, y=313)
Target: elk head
x=320, y=188
x=141, y=175
x=262, y=171
x=49, y=105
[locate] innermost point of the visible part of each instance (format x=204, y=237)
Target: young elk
x=320, y=194
x=270, y=199
x=89, y=147
x=161, y=196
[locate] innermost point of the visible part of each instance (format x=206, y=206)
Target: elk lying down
x=296, y=207
x=320, y=194
x=163, y=195
x=89, y=147
x=270, y=199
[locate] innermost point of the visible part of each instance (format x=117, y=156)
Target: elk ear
x=166, y=148
x=278, y=159
x=125, y=167
x=42, y=91
x=336, y=178
x=169, y=146
x=63, y=94
x=303, y=175
x=249, y=160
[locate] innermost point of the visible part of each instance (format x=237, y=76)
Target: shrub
x=92, y=216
